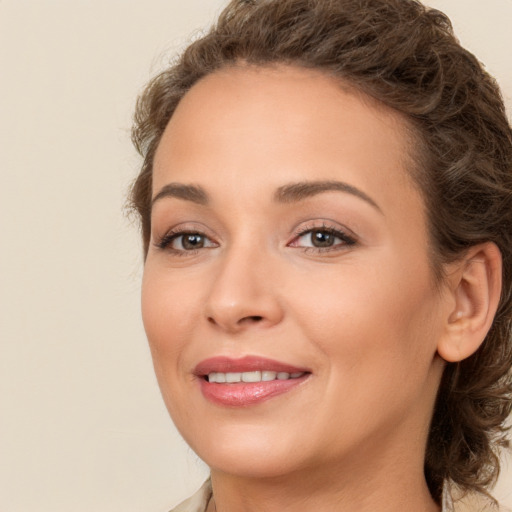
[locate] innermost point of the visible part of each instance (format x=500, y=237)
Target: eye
x=322, y=239
x=319, y=238
x=181, y=242
x=189, y=242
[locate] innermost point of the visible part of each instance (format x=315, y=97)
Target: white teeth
x=251, y=377
x=256, y=376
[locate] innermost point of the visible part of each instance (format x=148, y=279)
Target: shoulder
x=454, y=500
x=477, y=503
x=198, y=501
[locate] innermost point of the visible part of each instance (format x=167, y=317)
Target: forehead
x=281, y=123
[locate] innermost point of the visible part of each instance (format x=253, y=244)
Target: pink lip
x=242, y=394
x=244, y=364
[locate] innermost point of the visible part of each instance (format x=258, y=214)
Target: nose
x=244, y=292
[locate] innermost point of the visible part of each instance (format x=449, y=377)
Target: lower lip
x=242, y=394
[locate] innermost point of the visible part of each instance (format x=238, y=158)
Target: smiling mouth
x=252, y=376
x=246, y=381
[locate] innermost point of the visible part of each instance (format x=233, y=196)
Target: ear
x=475, y=287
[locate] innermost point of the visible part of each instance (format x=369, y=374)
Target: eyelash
x=348, y=240
x=164, y=243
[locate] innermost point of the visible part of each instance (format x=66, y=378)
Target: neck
x=304, y=495
x=390, y=483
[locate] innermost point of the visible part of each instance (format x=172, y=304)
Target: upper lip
x=223, y=364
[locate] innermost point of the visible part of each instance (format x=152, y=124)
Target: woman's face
x=288, y=238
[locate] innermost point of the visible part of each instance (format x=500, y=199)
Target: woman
x=326, y=210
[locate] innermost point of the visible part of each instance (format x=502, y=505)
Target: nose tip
x=237, y=317
x=240, y=298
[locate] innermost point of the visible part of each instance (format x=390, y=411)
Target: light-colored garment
x=199, y=501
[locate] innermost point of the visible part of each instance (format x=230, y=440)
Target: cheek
x=365, y=315
x=376, y=333
x=168, y=313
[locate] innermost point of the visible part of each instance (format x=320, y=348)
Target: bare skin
x=335, y=280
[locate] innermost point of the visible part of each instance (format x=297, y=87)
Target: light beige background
x=82, y=425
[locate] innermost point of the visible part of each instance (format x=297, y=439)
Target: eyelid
x=346, y=235
x=164, y=241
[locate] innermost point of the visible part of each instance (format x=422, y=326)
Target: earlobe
x=476, y=288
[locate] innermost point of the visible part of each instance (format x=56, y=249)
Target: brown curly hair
x=406, y=56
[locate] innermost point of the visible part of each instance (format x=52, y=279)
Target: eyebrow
x=295, y=192
x=290, y=193
x=191, y=193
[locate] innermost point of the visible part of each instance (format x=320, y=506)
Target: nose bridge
x=243, y=292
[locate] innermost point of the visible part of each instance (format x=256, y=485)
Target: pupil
x=193, y=241
x=322, y=239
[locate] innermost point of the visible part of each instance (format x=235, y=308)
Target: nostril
x=254, y=318
x=250, y=319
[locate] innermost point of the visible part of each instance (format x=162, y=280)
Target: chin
x=252, y=465
x=248, y=453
